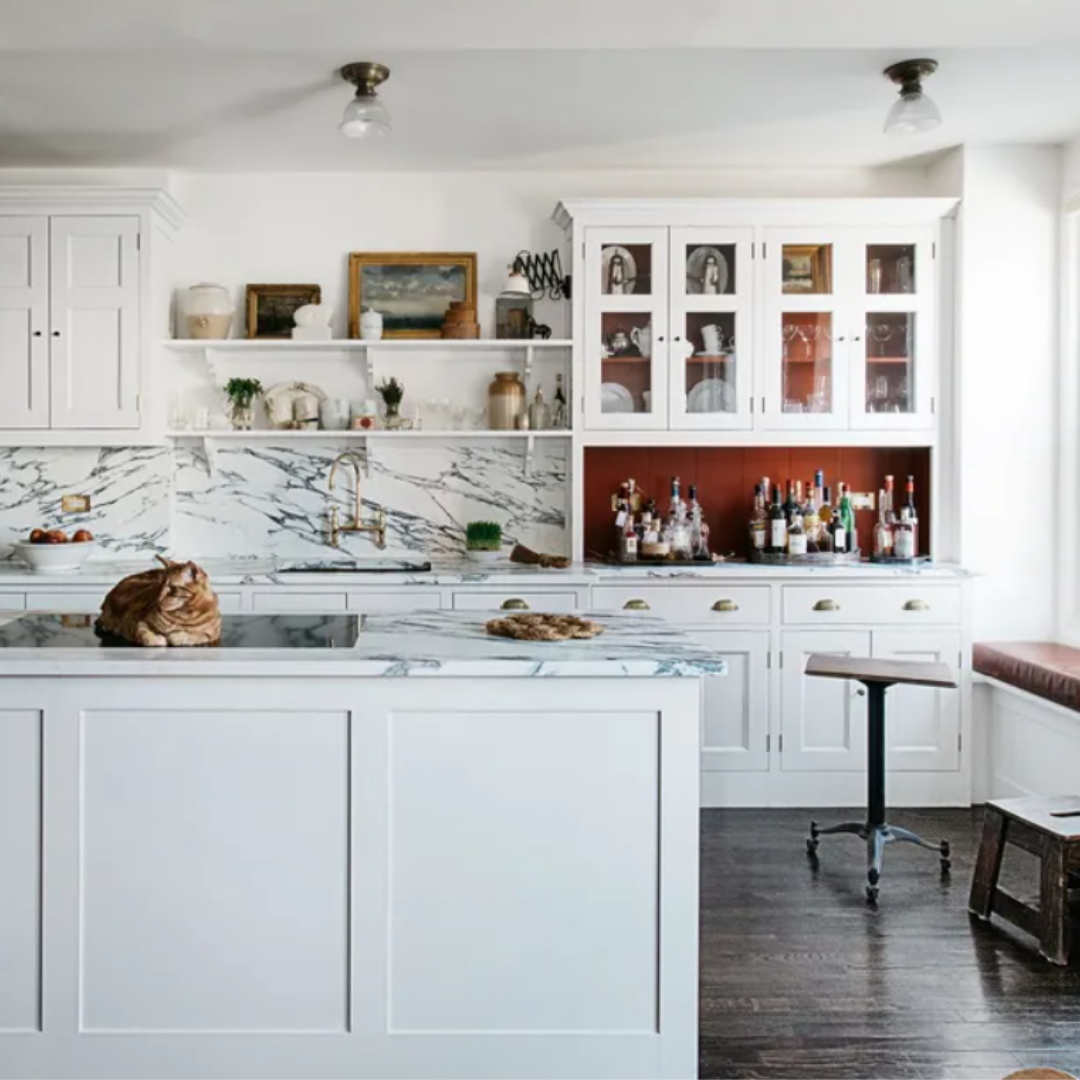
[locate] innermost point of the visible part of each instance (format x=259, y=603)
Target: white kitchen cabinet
x=922, y=725
x=823, y=721
x=280, y=602
x=94, y=321
x=24, y=320
x=409, y=599
x=735, y=706
x=518, y=600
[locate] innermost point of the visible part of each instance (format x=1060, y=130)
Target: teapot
x=641, y=336
x=619, y=342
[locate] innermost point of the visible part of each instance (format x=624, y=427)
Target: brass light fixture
x=914, y=111
x=365, y=117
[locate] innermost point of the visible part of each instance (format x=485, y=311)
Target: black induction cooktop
x=57, y=631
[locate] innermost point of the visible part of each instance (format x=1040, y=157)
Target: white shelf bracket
x=528, y=364
x=369, y=452
x=528, y=453
x=210, y=449
x=209, y=356
x=369, y=368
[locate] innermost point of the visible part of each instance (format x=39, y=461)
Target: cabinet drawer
x=508, y=601
x=407, y=600
x=701, y=604
x=229, y=603
x=902, y=605
x=273, y=603
x=68, y=603
x=12, y=601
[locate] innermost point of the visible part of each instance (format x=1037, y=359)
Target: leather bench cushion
x=1043, y=668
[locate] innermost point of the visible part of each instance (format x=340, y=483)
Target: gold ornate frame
x=307, y=294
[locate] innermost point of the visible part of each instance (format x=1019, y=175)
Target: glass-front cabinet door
x=626, y=346
x=711, y=348
x=892, y=342
x=805, y=348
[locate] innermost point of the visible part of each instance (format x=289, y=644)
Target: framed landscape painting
x=412, y=291
x=270, y=308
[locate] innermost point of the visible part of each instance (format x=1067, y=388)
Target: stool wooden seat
x=1048, y=828
x=877, y=676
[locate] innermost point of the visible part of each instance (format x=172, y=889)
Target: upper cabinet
x=828, y=325
x=77, y=312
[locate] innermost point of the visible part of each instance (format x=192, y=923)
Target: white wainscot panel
x=20, y=869
x=215, y=871
x=524, y=859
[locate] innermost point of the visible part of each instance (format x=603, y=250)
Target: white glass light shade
x=365, y=117
x=912, y=112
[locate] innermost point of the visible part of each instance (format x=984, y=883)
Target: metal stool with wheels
x=877, y=676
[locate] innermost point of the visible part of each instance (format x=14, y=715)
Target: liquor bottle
x=819, y=488
x=910, y=515
x=890, y=507
x=777, y=526
x=649, y=534
x=883, y=530
x=825, y=511
x=789, y=503
x=797, y=536
x=848, y=517
x=699, y=528
x=634, y=496
x=811, y=519
x=559, y=413
x=759, y=521
x=628, y=549
x=837, y=531
x=622, y=507
x=676, y=508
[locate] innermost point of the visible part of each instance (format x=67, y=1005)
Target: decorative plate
x=695, y=271
x=279, y=401
x=711, y=396
x=614, y=397
x=629, y=265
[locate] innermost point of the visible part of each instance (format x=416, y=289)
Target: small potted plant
x=242, y=394
x=483, y=540
x=391, y=391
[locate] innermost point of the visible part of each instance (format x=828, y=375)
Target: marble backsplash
x=265, y=500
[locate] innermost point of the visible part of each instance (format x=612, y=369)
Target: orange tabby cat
x=171, y=606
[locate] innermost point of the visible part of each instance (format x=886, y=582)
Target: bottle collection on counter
x=800, y=524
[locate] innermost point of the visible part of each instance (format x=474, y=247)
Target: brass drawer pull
x=725, y=605
x=514, y=604
x=636, y=605
x=826, y=605
x=916, y=605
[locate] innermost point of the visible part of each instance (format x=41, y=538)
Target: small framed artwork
x=411, y=291
x=270, y=308
x=807, y=268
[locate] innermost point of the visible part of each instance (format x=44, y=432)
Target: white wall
x=1007, y=385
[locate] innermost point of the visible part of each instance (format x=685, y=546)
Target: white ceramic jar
x=208, y=311
x=370, y=325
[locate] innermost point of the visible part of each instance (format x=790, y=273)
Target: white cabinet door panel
x=278, y=602
x=406, y=599
x=94, y=335
x=24, y=318
x=735, y=707
x=922, y=725
x=558, y=602
x=823, y=720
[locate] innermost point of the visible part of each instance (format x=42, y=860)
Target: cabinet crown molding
x=70, y=198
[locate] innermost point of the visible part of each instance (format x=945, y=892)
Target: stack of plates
x=711, y=396
x=615, y=398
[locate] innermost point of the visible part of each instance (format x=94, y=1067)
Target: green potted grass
x=483, y=540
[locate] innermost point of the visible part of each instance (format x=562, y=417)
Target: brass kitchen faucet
x=357, y=525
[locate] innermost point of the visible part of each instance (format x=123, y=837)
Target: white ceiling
x=519, y=84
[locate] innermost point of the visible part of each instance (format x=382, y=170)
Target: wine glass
x=809, y=334
x=788, y=333
x=880, y=334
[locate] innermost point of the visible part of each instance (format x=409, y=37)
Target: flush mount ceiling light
x=914, y=111
x=365, y=117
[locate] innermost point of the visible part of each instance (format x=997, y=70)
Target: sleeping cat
x=171, y=606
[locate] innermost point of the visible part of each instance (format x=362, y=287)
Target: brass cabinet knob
x=636, y=605
x=826, y=605
x=514, y=604
x=725, y=605
x=916, y=605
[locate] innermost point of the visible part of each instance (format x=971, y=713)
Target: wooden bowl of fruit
x=53, y=551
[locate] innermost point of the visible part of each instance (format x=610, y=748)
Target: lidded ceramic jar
x=371, y=325
x=208, y=311
x=506, y=401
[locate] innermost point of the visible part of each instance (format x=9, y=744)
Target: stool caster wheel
x=946, y=861
x=871, y=894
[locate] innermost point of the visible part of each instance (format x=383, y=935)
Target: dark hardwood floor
x=801, y=979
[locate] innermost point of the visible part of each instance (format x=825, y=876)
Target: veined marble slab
x=446, y=644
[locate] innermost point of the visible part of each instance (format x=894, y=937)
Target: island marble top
x=412, y=644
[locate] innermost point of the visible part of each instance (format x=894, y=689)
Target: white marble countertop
x=463, y=572
x=451, y=644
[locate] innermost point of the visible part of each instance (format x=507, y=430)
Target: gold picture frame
x=806, y=269
x=411, y=290
x=270, y=308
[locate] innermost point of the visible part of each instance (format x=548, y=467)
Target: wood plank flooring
x=801, y=979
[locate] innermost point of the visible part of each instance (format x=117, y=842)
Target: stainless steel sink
x=357, y=566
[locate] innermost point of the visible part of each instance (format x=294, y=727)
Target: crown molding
x=93, y=198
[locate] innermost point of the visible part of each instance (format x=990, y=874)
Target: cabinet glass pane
x=710, y=370
x=890, y=268
x=806, y=269
x=626, y=269
x=710, y=269
x=626, y=366
x=890, y=362
x=807, y=358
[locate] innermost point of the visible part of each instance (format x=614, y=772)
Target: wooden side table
x=1048, y=828
x=877, y=676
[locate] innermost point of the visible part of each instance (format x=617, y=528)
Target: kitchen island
x=344, y=846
